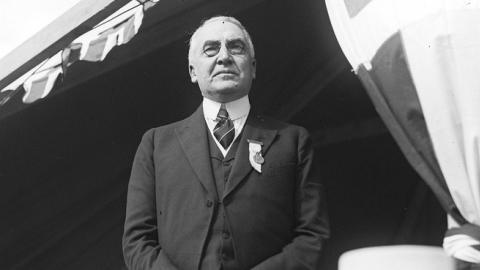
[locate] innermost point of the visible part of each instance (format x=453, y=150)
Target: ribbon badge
x=255, y=154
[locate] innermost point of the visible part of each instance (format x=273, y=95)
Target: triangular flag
x=70, y=55
x=95, y=48
x=129, y=28
x=114, y=31
x=138, y=19
x=40, y=84
x=148, y=3
x=99, y=48
x=111, y=42
x=5, y=96
x=126, y=31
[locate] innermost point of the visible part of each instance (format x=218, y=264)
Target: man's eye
x=237, y=49
x=211, y=50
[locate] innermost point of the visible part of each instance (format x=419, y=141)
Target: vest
x=219, y=252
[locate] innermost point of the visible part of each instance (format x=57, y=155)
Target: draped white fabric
x=444, y=55
x=441, y=39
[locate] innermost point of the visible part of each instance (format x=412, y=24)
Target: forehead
x=219, y=30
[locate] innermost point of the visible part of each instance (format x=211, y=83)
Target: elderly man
x=224, y=188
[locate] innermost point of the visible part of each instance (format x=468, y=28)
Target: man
x=224, y=188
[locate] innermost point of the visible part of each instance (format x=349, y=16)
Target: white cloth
x=441, y=40
x=399, y=257
x=444, y=60
x=237, y=111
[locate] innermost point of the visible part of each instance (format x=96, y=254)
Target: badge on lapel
x=255, y=154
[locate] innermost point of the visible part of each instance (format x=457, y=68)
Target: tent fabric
x=444, y=62
x=396, y=101
x=418, y=65
x=446, y=45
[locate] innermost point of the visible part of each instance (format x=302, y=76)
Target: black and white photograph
x=238, y=135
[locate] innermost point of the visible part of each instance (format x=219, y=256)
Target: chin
x=225, y=89
x=225, y=94
x=225, y=85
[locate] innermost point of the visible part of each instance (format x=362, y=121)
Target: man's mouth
x=225, y=72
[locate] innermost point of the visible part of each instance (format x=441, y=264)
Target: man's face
x=220, y=62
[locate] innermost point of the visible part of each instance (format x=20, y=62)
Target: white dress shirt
x=237, y=111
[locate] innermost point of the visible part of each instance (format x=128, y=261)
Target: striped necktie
x=224, y=130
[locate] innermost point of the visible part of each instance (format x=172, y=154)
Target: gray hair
x=232, y=20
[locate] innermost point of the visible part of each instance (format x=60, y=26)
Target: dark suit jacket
x=278, y=217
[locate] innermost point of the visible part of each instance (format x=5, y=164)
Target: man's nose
x=224, y=57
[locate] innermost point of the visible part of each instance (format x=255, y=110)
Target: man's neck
x=235, y=109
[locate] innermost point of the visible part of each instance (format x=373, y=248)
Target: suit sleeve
x=141, y=248
x=312, y=227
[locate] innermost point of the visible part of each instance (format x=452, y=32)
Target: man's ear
x=191, y=71
x=254, y=68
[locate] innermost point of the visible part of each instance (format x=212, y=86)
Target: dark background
x=65, y=160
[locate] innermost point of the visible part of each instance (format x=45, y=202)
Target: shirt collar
x=236, y=109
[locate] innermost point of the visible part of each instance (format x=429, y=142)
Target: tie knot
x=222, y=113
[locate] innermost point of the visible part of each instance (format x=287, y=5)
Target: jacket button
x=225, y=235
x=209, y=203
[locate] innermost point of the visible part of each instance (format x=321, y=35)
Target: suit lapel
x=254, y=129
x=193, y=139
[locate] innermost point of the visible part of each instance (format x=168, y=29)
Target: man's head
x=222, y=59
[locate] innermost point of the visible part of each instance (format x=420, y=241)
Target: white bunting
x=40, y=84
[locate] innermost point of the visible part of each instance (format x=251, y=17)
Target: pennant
x=92, y=46
x=15, y=84
x=128, y=29
x=148, y=3
x=40, y=84
x=20, y=80
x=138, y=19
x=97, y=49
x=70, y=55
x=6, y=95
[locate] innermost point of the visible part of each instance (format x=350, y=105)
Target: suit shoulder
x=161, y=132
x=167, y=127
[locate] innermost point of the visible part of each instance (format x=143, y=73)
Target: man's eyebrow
x=235, y=40
x=211, y=42
x=215, y=42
